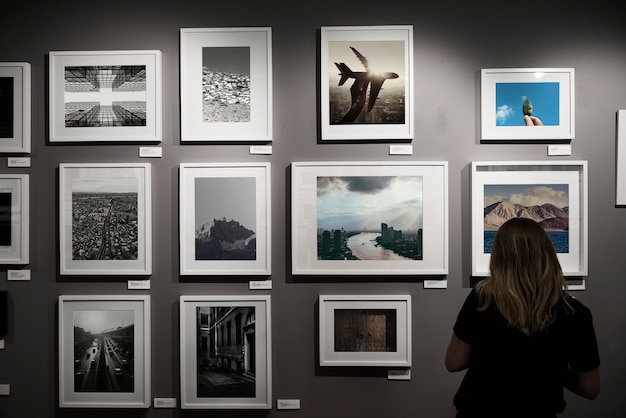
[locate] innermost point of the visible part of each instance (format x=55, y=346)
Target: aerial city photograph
x=369, y=218
x=104, y=218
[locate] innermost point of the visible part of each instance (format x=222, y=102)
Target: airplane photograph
x=367, y=101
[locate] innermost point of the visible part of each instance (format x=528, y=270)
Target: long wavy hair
x=525, y=282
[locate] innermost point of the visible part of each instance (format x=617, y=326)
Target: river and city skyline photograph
x=369, y=218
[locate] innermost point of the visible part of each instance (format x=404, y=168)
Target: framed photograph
x=366, y=83
x=105, y=222
x=370, y=218
x=620, y=190
x=15, y=92
x=527, y=104
x=104, y=351
x=225, y=352
x=365, y=330
x=105, y=96
x=14, y=219
x=225, y=219
x=554, y=194
x=226, y=84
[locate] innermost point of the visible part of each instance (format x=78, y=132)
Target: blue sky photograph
x=364, y=202
x=543, y=96
x=527, y=194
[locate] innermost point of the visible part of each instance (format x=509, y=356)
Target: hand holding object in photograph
x=527, y=110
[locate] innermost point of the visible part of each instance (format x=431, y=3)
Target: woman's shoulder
x=577, y=305
x=576, y=309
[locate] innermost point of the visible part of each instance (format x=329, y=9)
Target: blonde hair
x=526, y=281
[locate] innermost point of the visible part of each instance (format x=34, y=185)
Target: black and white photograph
x=6, y=221
x=105, y=96
x=15, y=112
x=225, y=346
x=14, y=218
x=7, y=107
x=226, y=84
x=105, y=218
x=224, y=232
x=365, y=330
x=369, y=218
x=367, y=83
x=225, y=228
x=226, y=352
x=104, y=351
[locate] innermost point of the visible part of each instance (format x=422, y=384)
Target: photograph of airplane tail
x=363, y=80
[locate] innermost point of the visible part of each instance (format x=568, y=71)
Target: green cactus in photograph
x=527, y=107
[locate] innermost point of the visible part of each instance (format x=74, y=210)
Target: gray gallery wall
x=451, y=45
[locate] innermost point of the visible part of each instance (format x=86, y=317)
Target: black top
x=510, y=372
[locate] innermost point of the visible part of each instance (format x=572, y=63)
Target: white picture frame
x=104, y=351
x=245, y=113
x=15, y=107
x=226, y=338
x=233, y=197
x=105, y=96
x=413, y=192
x=561, y=184
x=15, y=219
x=354, y=52
x=550, y=93
x=85, y=243
x=620, y=181
x=365, y=330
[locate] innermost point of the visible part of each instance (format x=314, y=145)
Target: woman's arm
x=457, y=355
x=585, y=384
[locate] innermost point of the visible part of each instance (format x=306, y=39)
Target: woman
x=519, y=334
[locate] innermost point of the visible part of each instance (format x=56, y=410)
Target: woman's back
x=510, y=371
x=520, y=335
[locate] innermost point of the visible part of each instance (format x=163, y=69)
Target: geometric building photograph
x=105, y=96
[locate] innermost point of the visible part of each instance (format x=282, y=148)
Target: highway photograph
x=103, y=358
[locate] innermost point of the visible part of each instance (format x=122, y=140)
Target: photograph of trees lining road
x=104, y=350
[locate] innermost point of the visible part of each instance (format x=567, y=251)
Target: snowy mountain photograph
x=225, y=218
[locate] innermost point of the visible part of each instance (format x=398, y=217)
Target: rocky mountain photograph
x=548, y=205
x=547, y=215
x=226, y=84
x=223, y=239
